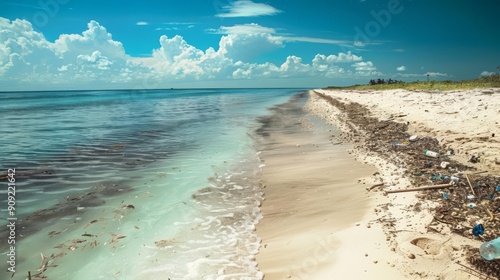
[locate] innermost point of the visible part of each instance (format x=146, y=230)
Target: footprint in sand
x=427, y=247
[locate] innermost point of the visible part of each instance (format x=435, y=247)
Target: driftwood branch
x=492, y=217
x=374, y=186
x=470, y=185
x=442, y=186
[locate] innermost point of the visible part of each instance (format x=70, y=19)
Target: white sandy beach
x=465, y=120
x=378, y=236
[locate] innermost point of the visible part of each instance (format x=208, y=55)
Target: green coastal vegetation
x=491, y=81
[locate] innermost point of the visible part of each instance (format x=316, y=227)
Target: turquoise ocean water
x=160, y=184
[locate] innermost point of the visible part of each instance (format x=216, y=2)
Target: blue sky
x=73, y=44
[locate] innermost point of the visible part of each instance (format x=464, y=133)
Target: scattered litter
x=444, y=164
x=478, y=230
x=474, y=159
x=396, y=144
x=431, y=153
x=414, y=157
x=489, y=250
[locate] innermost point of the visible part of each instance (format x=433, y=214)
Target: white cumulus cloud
x=401, y=68
x=28, y=58
x=486, y=74
x=93, y=59
x=364, y=66
x=339, y=58
x=359, y=44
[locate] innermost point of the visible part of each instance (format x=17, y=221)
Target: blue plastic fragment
x=492, y=196
x=445, y=195
x=478, y=230
x=498, y=189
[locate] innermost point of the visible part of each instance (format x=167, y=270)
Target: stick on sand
x=470, y=185
x=442, y=186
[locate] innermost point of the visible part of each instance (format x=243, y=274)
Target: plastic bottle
x=490, y=250
x=430, y=153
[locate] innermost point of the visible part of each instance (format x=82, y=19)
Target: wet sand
x=314, y=190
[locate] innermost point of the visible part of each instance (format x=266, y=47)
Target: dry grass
x=492, y=81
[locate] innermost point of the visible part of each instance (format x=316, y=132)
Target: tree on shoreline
x=384, y=82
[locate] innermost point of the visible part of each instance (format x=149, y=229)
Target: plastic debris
x=396, y=144
x=430, y=153
x=490, y=250
x=478, y=230
x=444, y=164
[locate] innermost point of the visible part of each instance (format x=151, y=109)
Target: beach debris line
x=452, y=209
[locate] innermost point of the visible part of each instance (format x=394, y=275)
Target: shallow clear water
x=134, y=184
